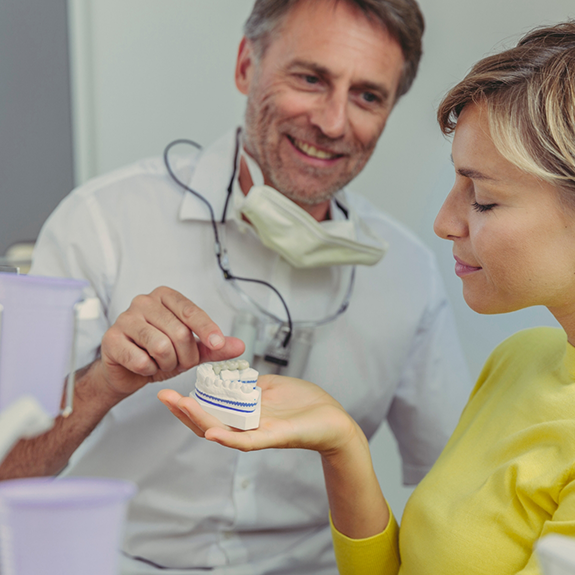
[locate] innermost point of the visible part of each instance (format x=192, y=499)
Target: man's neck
x=320, y=211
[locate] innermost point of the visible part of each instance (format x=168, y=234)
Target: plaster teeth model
x=228, y=391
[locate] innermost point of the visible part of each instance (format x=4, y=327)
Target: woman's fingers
x=295, y=414
x=189, y=412
x=170, y=399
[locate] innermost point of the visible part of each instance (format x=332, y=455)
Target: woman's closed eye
x=482, y=207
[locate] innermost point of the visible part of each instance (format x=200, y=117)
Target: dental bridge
x=228, y=390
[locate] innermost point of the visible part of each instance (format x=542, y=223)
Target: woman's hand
x=299, y=414
x=295, y=414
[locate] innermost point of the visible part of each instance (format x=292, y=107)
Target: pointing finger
x=192, y=316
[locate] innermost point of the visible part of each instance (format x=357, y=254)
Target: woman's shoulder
x=532, y=343
x=534, y=350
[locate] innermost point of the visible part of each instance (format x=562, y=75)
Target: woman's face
x=513, y=239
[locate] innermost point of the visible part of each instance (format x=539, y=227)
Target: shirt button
x=246, y=483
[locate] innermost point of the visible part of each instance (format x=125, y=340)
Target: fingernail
x=216, y=340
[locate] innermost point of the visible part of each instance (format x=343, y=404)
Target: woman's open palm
x=295, y=414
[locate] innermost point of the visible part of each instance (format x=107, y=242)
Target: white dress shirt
x=393, y=354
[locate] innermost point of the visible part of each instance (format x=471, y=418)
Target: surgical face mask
x=290, y=231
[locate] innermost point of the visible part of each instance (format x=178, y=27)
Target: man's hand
x=160, y=336
x=153, y=340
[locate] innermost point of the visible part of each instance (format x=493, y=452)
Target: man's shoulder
x=149, y=180
x=135, y=178
x=387, y=227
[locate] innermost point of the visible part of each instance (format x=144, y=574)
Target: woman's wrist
x=358, y=508
x=350, y=442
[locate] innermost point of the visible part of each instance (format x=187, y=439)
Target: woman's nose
x=451, y=221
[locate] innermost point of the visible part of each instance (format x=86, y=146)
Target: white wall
x=149, y=71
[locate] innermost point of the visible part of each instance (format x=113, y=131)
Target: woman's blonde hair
x=529, y=93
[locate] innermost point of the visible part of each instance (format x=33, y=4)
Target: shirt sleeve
x=433, y=389
x=562, y=523
x=75, y=243
x=377, y=555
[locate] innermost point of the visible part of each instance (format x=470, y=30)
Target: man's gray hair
x=402, y=19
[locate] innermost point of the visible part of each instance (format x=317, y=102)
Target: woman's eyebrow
x=474, y=174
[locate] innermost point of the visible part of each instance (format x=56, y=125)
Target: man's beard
x=258, y=124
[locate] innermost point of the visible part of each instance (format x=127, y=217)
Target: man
x=321, y=79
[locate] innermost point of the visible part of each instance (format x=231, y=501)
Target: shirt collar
x=211, y=179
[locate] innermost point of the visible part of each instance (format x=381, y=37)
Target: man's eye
x=311, y=79
x=370, y=97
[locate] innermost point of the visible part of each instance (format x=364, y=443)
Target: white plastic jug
x=556, y=554
x=68, y=526
x=36, y=337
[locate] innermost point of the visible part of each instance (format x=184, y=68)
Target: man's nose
x=451, y=221
x=331, y=115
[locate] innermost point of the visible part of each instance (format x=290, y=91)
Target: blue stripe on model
x=203, y=396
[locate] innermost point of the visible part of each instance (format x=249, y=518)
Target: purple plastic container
x=68, y=526
x=36, y=334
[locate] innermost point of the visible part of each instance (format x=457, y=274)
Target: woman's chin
x=481, y=303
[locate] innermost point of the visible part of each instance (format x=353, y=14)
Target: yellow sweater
x=505, y=478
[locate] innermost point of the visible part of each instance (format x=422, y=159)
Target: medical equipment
x=279, y=351
x=292, y=357
x=286, y=228
x=245, y=327
x=300, y=348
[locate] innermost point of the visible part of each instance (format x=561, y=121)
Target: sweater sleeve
x=562, y=523
x=377, y=555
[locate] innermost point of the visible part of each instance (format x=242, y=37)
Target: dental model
x=227, y=390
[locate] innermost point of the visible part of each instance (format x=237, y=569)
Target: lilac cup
x=36, y=337
x=68, y=526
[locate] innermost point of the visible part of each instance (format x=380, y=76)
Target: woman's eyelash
x=482, y=207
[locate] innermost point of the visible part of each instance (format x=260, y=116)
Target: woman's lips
x=464, y=269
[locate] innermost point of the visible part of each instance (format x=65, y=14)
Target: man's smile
x=311, y=151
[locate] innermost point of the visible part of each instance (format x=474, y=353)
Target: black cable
x=225, y=269
x=234, y=172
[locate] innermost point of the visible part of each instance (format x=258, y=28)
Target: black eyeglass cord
x=221, y=257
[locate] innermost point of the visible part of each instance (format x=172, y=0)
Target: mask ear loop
x=221, y=257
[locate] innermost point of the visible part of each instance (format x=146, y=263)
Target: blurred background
x=90, y=85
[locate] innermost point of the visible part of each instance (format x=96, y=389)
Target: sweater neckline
x=569, y=360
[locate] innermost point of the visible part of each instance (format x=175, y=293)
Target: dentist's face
x=319, y=98
x=513, y=238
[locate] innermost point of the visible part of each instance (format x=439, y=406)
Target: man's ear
x=245, y=66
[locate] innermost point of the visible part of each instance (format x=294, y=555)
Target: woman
x=506, y=477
